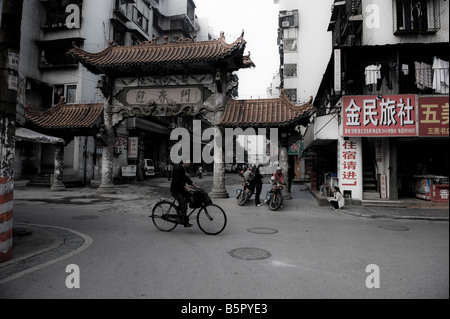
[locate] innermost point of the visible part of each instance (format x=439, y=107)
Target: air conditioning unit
x=285, y=24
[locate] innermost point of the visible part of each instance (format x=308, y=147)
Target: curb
x=373, y=216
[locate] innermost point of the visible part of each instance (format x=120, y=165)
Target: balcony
x=421, y=18
x=177, y=23
x=52, y=54
x=412, y=80
x=56, y=14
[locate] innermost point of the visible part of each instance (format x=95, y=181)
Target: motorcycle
x=244, y=194
x=274, y=198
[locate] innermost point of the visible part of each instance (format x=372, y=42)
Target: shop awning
x=29, y=135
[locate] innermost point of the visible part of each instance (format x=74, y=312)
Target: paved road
x=312, y=252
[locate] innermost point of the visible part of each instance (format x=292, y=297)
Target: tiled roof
x=264, y=112
x=150, y=56
x=65, y=116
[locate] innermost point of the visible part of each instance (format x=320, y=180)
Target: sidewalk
x=405, y=208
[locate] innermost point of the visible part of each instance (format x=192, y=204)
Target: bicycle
x=211, y=218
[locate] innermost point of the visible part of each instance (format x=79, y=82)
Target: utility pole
x=10, y=23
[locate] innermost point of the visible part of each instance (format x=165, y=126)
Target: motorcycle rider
x=278, y=177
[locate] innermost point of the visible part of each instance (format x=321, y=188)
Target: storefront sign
x=13, y=61
x=296, y=148
x=132, y=147
x=129, y=170
x=349, y=156
x=390, y=115
x=186, y=95
x=383, y=187
x=433, y=116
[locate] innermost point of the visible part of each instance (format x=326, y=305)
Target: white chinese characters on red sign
x=392, y=115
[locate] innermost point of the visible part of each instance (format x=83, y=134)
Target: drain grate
x=395, y=228
x=248, y=253
x=262, y=230
x=85, y=217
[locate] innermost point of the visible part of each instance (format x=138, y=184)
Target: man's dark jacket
x=179, y=180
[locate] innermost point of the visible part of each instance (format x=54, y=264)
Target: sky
x=259, y=20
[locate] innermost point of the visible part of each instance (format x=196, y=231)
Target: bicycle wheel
x=211, y=219
x=163, y=216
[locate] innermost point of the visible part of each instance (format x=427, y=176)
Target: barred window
x=418, y=16
x=290, y=70
x=290, y=45
x=292, y=95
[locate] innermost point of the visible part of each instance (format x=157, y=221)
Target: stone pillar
x=57, y=184
x=217, y=103
x=107, y=183
x=218, y=189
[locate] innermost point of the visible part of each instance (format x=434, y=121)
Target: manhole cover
x=250, y=253
x=393, y=227
x=85, y=217
x=262, y=230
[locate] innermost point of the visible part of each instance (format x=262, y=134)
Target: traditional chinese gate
x=185, y=78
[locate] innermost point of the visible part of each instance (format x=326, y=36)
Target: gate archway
x=184, y=78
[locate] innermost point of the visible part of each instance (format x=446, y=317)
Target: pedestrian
x=200, y=172
x=258, y=185
x=169, y=169
x=291, y=176
x=338, y=201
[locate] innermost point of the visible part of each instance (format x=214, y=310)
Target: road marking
x=87, y=242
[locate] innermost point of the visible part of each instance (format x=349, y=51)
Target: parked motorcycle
x=274, y=198
x=244, y=194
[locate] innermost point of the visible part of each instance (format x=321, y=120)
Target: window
x=292, y=95
x=56, y=14
x=290, y=70
x=119, y=37
x=290, y=45
x=66, y=91
x=140, y=19
x=288, y=19
x=416, y=16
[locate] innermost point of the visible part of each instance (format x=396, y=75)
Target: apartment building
x=49, y=76
x=304, y=48
x=382, y=129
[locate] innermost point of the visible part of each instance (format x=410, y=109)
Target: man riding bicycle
x=180, y=189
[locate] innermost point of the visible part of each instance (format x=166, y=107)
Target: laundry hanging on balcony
x=372, y=74
x=440, y=76
x=424, y=75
